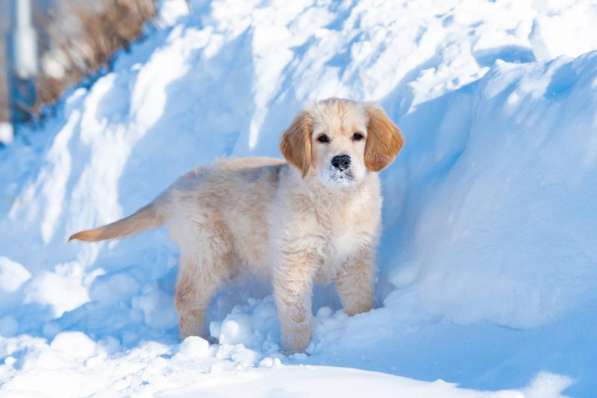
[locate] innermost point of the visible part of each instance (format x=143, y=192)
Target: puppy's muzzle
x=341, y=162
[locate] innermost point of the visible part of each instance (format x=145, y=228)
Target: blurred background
x=46, y=46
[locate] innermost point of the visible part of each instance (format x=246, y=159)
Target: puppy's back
x=233, y=195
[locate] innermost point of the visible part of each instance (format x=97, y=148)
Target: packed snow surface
x=487, y=282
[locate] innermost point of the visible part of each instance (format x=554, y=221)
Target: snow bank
x=487, y=275
x=73, y=365
x=512, y=213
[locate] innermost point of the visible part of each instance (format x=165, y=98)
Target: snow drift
x=487, y=264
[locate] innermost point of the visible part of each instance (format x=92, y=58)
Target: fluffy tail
x=143, y=219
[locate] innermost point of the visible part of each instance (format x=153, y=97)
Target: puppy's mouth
x=342, y=177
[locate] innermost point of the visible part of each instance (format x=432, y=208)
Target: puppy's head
x=339, y=141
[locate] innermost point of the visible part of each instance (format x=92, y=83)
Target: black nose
x=341, y=162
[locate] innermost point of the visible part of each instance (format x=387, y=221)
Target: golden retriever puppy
x=312, y=218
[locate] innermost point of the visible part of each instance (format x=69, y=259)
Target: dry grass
x=101, y=34
x=82, y=40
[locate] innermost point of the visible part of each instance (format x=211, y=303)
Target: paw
x=191, y=324
x=358, y=308
x=297, y=340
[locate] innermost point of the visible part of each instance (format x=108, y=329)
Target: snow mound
x=511, y=214
x=487, y=272
x=73, y=365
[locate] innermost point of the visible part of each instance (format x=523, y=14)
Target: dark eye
x=357, y=136
x=323, y=138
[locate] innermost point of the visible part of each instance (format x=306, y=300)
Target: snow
x=155, y=370
x=73, y=344
x=6, y=133
x=12, y=276
x=487, y=275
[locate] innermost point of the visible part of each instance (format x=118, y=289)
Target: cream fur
x=293, y=223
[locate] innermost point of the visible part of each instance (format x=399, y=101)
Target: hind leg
x=202, y=272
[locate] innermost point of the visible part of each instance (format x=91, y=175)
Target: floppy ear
x=384, y=139
x=296, y=142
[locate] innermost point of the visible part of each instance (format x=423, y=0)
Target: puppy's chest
x=346, y=236
x=344, y=244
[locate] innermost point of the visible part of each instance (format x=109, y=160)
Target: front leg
x=355, y=282
x=293, y=285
